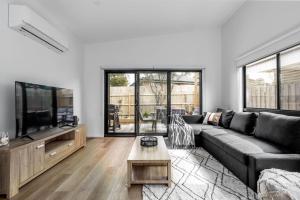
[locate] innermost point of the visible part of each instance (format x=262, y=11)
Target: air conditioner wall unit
x=29, y=23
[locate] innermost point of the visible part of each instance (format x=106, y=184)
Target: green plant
x=146, y=114
x=118, y=80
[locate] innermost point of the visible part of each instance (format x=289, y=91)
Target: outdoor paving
x=144, y=128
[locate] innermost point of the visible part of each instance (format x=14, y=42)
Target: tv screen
x=40, y=107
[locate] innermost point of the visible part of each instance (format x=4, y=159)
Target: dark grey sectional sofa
x=274, y=142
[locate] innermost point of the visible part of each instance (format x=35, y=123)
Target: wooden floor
x=96, y=172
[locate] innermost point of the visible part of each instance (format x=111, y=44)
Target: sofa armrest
x=193, y=119
x=259, y=162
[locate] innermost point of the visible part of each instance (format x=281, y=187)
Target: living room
x=133, y=99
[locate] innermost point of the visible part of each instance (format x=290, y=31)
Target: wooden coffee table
x=149, y=165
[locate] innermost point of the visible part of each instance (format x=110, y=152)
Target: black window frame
x=278, y=85
x=136, y=72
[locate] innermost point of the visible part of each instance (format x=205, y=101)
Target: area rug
x=198, y=175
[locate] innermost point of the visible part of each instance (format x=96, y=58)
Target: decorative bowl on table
x=148, y=141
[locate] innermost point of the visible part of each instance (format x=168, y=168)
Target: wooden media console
x=25, y=159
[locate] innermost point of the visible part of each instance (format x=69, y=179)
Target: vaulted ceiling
x=108, y=20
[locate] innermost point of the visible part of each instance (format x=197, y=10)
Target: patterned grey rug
x=197, y=175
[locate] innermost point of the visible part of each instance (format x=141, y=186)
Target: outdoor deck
x=144, y=128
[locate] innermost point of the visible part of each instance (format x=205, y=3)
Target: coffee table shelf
x=149, y=165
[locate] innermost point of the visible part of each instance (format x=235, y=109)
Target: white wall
x=23, y=59
x=257, y=29
x=200, y=49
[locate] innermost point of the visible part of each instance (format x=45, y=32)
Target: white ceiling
x=108, y=20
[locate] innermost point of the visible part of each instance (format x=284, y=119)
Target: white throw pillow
x=205, y=121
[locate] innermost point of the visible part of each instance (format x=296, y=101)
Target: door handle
x=53, y=153
x=40, y=146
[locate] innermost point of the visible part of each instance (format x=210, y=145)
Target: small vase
x=4, y=138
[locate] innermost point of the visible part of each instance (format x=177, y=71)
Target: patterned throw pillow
x=214, y=118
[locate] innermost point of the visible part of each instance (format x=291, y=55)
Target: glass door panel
x=141, y=102
x=152, y=110
x=121, y=103
x=185, y=93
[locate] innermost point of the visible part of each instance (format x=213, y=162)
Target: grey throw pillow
x=243, y=122
x=226, y=117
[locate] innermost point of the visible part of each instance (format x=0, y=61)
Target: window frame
x=137, y=85
x=278, y=85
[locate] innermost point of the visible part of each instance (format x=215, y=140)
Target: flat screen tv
x=40, y=107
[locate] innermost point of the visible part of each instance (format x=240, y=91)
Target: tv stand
x=24, y=160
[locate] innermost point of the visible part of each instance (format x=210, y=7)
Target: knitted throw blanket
x=277, y=184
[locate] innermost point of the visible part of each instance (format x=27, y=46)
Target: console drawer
x=62, y=149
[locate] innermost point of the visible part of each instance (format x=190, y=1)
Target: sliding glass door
x=120, y=106
x=142, y=102
x=152, y=110
x=185, y=93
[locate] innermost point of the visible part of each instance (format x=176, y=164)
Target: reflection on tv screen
x=64, y=104
x=41, y=107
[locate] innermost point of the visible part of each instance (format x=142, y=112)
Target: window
x=274, y=82
x=261, y=84
x=290, y=79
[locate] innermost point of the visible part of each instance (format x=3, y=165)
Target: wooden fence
x=183, y=97
x=264, y=96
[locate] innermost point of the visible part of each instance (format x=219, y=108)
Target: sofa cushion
x=243, y=122
x=200, y=127
x=207, y=127
x=226, y=117
x=193, y=119
x=280, y=129
x=197, y=128
x=238, y=145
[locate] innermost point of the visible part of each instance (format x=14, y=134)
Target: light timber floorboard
x=98, y=171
